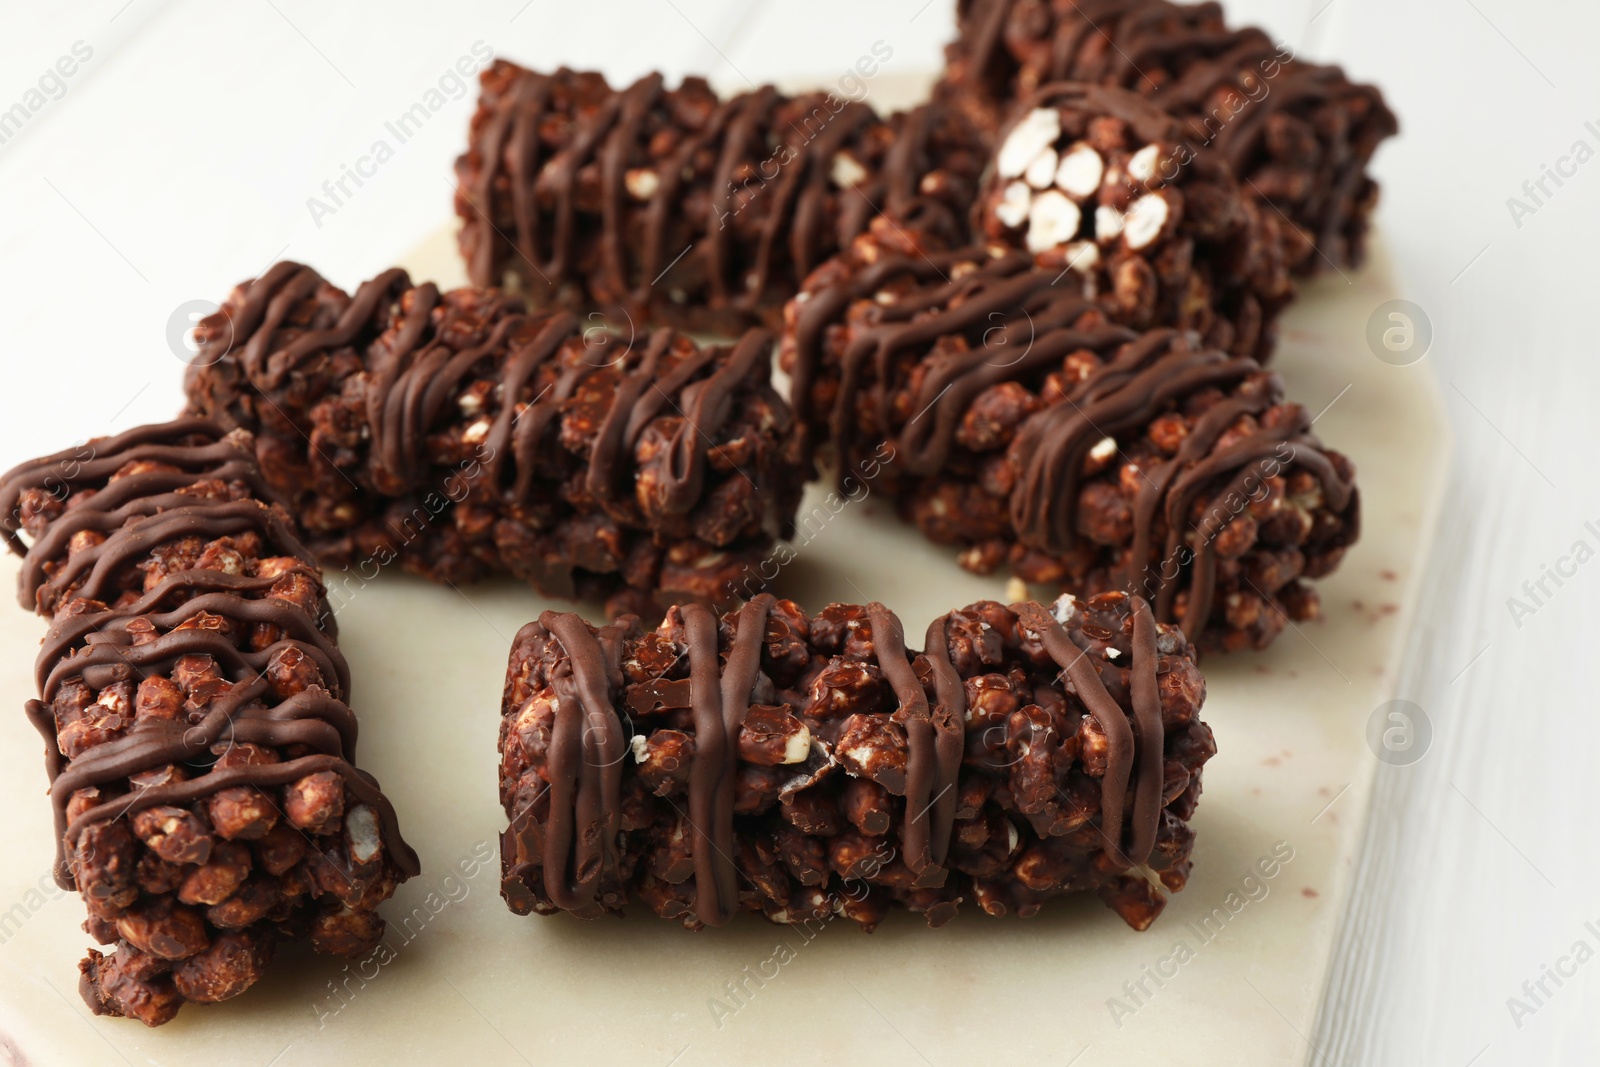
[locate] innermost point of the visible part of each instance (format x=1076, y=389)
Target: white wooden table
x=181, y=152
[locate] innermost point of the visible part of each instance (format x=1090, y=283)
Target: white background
x=180, y=157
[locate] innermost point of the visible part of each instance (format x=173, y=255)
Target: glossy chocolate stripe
x=1122, y=745
x=949, y=724
x=1150, y=734
x=586, y=750
x=924, y=770
x=714, y=752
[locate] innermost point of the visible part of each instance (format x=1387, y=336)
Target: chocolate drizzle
x=1134, y=752
x=132, y=514
x=118, y=503
x=586, y=753
x=1003, y=290
x=934, y=740
x=526, y=207
x=1002, y=305
x=272, y=349
x=1169, y=489
x=716, y=890
x=584, y=807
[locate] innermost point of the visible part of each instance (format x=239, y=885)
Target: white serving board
x=465, y=981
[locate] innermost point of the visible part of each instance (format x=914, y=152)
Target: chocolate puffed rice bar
x=799, y=767
x=464, y=436
x=192, y=701
x=1024, y=425
x=672, y=206
x=1299, y=135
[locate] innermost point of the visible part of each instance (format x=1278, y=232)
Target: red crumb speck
x=1309, y=893
x=1388, y=575
x=1388, y=609
x=1271, y=761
